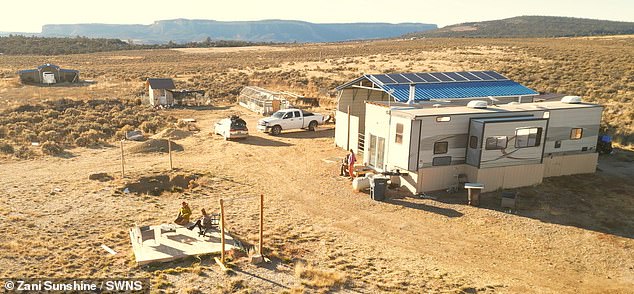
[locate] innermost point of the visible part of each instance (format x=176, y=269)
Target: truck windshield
x=279, y=114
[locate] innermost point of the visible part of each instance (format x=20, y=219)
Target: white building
x=159, y=91
x=497, y=141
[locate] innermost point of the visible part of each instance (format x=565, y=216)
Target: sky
x=29, y=16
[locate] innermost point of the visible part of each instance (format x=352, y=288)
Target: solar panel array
x=439, y=77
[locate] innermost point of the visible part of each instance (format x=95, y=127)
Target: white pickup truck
x=290, y=119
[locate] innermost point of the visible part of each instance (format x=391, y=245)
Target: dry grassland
x=571, y=235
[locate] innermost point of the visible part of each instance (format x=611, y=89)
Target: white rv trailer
x=505, y=146
x=439, y=126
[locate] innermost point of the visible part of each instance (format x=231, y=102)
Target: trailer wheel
x=312, y=126
x=276, y=130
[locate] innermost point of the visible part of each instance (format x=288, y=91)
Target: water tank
x=571, y=99
x=477, y=104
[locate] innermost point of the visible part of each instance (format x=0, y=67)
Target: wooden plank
x=221, y=264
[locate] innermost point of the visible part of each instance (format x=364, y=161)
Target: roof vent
x=477, y=104
x=571, y=99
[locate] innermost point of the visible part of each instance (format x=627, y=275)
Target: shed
x=48, y=74
x=159, y=91
x=261, y=100
x=455, y=88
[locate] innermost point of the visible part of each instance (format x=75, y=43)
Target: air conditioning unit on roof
x=479, y=104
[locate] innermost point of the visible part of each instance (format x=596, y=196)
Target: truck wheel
x=276, y=130
x=312, y=126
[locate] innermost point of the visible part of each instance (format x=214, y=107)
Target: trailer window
x=443, y=118
x=473, y=142
x=441, y=147
x=576, y=133
x=442, y=160
x=399, y=134
x=496, y=143
x=528, y=137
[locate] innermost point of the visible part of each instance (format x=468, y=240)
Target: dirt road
x=403, y=244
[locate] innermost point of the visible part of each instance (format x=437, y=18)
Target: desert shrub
x=149, y=127
x=120, y=134
x=24, y=153
x=90, y=138
x=52, y=148
x=81, y=142
x=6, y=148
x=72, y=112
x=3, y=132
x=317, y=278
x=48, y=136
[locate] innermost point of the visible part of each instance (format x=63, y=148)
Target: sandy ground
x=53, y=220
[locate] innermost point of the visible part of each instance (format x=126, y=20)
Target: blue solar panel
x=414, y=78
x=482, y=75
x=495, y=75
x=455, y=76
x=469, y=76
x=385, y=79
x=427, y=78
x=427, y=91
x=441, y=76
x=399, y=78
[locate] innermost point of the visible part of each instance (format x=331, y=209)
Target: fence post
x=122, y=161
x=261, y=223
x=222, y=231
x=169, y=150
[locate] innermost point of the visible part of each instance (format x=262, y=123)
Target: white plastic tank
x=571, y=99
x=477, y=104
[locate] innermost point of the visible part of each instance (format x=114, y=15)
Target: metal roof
x=161, y=83
x=427, y=109
x=444, y=85
x=48, y=65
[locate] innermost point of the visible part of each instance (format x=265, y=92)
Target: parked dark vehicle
x=232, y=128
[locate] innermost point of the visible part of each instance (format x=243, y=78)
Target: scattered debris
x=422, y=195
x=100, y=176
x=156, y=185
x=108, y=249
x=135, y=135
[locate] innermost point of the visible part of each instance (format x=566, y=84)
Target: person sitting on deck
x=203, y=223
x=184, y=214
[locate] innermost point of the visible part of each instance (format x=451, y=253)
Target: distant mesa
x=531, y=27
x=193, y=30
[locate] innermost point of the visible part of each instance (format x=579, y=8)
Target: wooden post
x=222, y=231
x=122, y=161
x=261, y=223
x=169, y=150
x=348, y=141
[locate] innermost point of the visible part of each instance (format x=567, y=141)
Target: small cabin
x=159, y=91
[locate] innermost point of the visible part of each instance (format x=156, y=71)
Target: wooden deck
x=164, y=243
